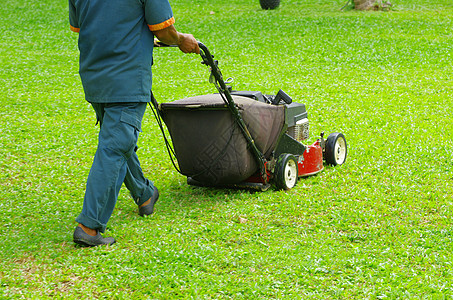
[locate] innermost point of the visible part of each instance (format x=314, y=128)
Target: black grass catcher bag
x=208, y=143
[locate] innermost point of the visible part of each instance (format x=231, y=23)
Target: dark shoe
x=84, y=239
x=149, y=208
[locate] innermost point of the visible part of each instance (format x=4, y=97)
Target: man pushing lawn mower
x=116, y=40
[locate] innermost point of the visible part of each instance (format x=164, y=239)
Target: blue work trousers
x=115, y=162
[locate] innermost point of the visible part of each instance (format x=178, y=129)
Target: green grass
x=377, y=227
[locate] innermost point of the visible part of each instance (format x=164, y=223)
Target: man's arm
x=170, y=36
x=73, y=21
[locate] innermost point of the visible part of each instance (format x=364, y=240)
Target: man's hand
x=188, y=44
x=170, y=36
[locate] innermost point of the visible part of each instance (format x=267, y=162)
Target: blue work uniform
x=116, y=49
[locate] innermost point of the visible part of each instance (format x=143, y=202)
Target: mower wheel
x=286, y=172
x=336, y=149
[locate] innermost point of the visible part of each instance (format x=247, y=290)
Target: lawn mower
x=243, y=139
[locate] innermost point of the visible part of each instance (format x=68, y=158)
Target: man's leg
x=120, y=125
x=140, y=187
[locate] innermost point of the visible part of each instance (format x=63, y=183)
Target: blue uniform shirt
x=116, y=46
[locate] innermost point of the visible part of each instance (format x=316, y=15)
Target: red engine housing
x=311, y=162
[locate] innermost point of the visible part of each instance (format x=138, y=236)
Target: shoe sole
x=83, y=244
x=80, y=243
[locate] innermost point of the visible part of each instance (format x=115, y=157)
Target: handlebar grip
x=158, y=43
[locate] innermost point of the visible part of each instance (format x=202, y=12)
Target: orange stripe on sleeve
x=74, y=29
x=162, y=25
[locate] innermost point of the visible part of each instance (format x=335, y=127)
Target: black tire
x=286, y=172
x=336, y=149
x=269, y=4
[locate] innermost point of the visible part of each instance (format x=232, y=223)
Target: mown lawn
x=377, y=227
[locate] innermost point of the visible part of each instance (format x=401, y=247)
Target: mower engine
x=300, y=131
x=297, y=121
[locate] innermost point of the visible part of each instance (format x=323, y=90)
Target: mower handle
x=208, y=59
x=158, y=43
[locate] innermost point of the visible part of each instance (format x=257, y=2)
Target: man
x=116, y=40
